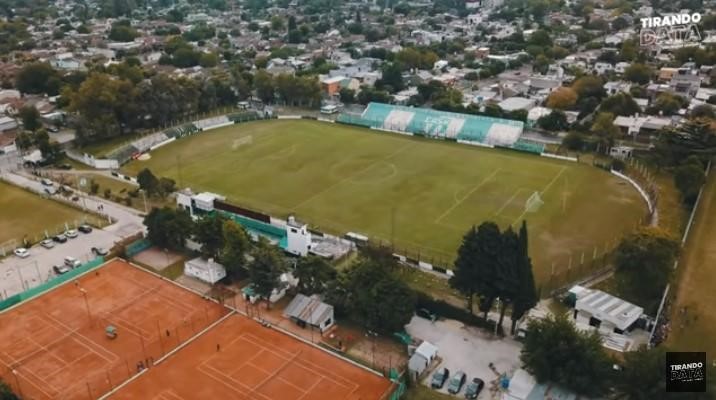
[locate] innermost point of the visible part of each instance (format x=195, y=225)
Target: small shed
x=422, y=358
x=310, y=311
x=206, y=270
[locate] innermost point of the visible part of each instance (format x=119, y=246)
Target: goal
x=533, y=203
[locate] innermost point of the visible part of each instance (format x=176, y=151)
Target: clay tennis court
x=55, y=346
x=257, y=363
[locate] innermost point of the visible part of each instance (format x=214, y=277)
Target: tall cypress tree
x=526, y=295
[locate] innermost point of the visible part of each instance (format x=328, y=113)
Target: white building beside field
x=208, y=271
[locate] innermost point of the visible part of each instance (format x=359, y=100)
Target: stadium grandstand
x=442, y=124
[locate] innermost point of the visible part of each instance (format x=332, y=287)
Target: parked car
x=456, y=382
x=60, y=269
x=22, y=252
x=425, y=313
x=71, y=233
x=72, y=262
x=439, y=378
x=100, y=251
x=474, y=388
x=47, y=243
x=64, y=166
x=53, y=129
x=60, y=238
x=47, y=182
x=84, y=228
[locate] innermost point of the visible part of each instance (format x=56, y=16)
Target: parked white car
x=47, y=243
x=22, y=252
x=71, y=234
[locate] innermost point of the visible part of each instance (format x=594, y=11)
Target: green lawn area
x=423, y=194
x=27, y=215
x=695, y=329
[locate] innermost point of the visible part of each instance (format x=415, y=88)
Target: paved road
x=16, y=274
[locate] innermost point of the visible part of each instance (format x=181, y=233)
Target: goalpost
x=533, y=203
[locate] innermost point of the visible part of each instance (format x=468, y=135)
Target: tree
x=467, y=272
x=147, y=181
x=642, y=375
x=376, y=297
x=168, y=228
x=38, y=78
x=589, y=86
x=689, y=177
x=526, y=293
x=563, y=98
x=703, y=111
x=638, y=73
x=236, y=246
x=6, y=392
x=667, y=104
x=208, y=60
x=265, y=270
x=30, y=118
x=573, y=141
x=554, y=121
x=605, y=129
x=23, y=141
x=122, y=33
x=347, y=95
x=313, y=274
x=555, y=351
x=263, y=82
x=392, y=79
x=620, y=104
x=644, y=265
x=277, y=23
x=209, y=232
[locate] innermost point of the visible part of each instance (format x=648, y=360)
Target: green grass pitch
x=422, y=193
x=27, y=215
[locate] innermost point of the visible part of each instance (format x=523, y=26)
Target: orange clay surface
x=55, y=347
x=58, y=351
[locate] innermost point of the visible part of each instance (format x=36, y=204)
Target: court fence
x=52, y=283
x=136, y=247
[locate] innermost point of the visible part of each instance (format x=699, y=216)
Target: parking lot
x=18, y=274
x=467, y=349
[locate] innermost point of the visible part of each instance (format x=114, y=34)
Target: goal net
x=533, y=203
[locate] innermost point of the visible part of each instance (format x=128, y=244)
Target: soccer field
x=27, y=215
x=423, y=194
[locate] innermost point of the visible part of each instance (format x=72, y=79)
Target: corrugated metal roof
x=309, y=309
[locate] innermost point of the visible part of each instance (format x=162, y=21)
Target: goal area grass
x=420, y=194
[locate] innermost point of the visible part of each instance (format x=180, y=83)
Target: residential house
x=310, y=311
x=602, y=68
x=614, y=87
x=685, y=82
x=286, y=281
x=637, y=125
x=7, y=124
x=535, y=113
x=516, y=103
x=332, y=85
x=7, y=142
x=621, y=67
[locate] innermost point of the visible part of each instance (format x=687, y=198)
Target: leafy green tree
x=377, y=298
x=667, y=104
x=168, y=228
x=642, y=375
x=30, y=118
x=38, y=78
x=604, y=128
x=525, y=294
x=563, y=98
x=620, y=104
x=689, y=177
x=24, y=140
x=589, y=86
x=392, y=79
x=638, y=73
x=467, y=272
x=147, y=181
x=703, y=111
x=555, y=351
x=122, y=33
x=573, y=141
x=264, y=84
x=347, y=95
x=277, y=23
x=6, y=392
x=644, y=263
x=313, y=274
x=554, y=121
x=265, y=270
x=209, y=232
x=236, y=245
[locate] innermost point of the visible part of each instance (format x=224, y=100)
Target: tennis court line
x=479, y=185
x=216, y=374
x=320, y=378
x=351, y=176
